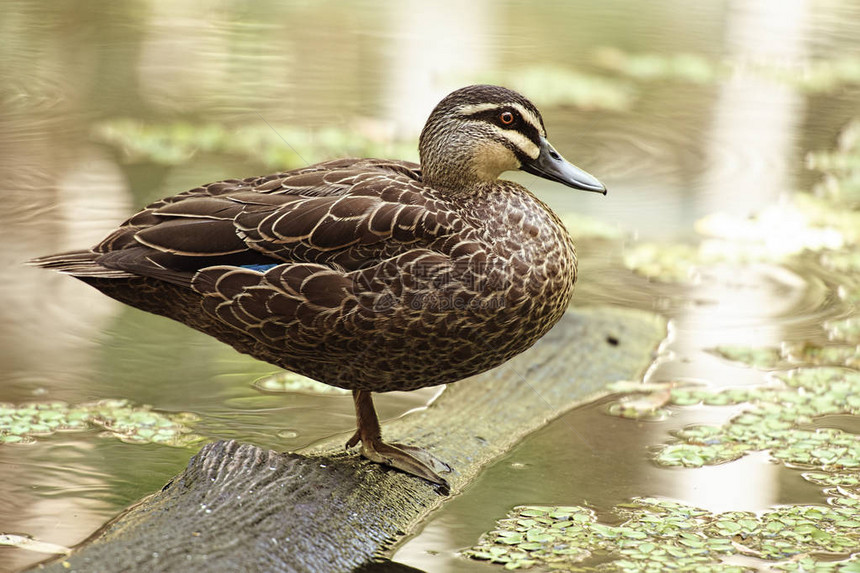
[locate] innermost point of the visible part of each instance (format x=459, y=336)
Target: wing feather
x=343, y=214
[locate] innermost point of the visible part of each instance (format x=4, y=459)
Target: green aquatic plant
x=551, y=86
x=23, y=423
x=278, y=147
x=649, y=534
x=583, y=226
x=773, y=421
x=842, y=261
x=796, y=354
x=640, y=401
x=840, y=167
x=647, y=407
x=776, y=234
x=655, y=534
x=845, y=330
x=813, y=76
x=758, y=357
x=692, y=68
x=665, y=263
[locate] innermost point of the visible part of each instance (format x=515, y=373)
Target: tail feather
x=79, y=264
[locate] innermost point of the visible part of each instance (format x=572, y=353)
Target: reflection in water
x=49, y=343
x=437, y=48
x=751, y=141
x=56, y=321
x=757, y=119
x=195, y=57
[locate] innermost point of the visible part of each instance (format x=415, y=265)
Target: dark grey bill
x=551, y=165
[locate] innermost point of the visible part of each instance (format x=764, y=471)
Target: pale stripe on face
x=526, y=114
x=516, y=138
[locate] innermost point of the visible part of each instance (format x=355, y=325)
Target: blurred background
x=683, y=109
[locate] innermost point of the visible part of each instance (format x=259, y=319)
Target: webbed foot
x=410, y=459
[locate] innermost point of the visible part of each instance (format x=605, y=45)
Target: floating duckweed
x=771, y=422
x=841, y=167
x=582, y=226
x=138, y=424
x=698, y=455
x=757, y=357
x=831, y=355
x=824, y=215
x=706, y=435
x=817, y=76
x=644, y=406
x=832, y=479
x=175, y=143
x=687, y=396
x=287, y=381
x=842, y=188
x=804, y=224
x=682, y=67
x=822, y=380
x=803, y=353
x=845, y=262
x=520, y=542
x=16, y=439
x=654, y=532
x=558, y=85
x=665, y=263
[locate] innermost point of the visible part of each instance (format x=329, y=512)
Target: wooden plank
x=241, y=508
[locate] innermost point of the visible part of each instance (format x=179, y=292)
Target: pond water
x=683, y=109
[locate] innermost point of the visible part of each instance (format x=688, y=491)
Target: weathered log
x=240, y=508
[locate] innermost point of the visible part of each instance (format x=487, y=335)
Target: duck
x=371, y=275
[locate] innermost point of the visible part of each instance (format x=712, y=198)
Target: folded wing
x=346, y=214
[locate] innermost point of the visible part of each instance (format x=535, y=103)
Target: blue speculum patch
x=260, y=268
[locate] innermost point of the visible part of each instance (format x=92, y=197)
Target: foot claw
x=409, y=459
x=424, y=457
x=352, y=441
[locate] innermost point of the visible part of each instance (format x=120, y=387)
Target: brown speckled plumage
x=367, y=274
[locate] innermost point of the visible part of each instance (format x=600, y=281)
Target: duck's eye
x=506, y=117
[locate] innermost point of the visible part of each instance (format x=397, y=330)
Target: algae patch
x=582, y=226
x=802, y=224
x=274, y=147
x=692, y=68
x=813, y=76
x=798, y=354
x=22, y=424
x=826, y=222
x=551, y=86
x=773, y=421
x=651, y=534
x=840, y=167
x=846, y=330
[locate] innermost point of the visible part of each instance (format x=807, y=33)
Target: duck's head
x=478, y=132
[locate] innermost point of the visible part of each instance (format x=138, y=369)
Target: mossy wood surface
x=241, y=508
